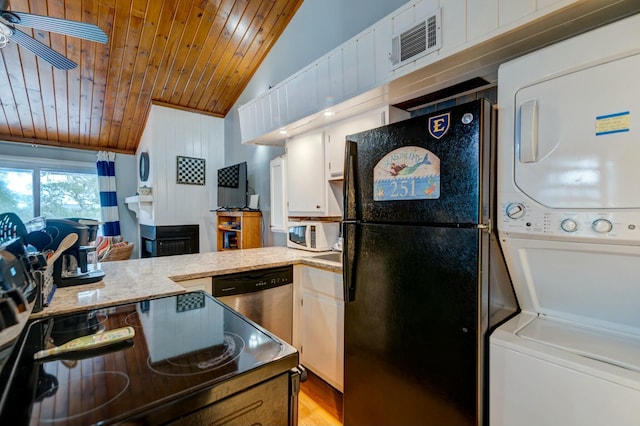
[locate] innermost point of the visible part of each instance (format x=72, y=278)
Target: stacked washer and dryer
x=569, y=197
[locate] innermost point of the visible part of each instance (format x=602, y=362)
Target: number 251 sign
x=407, y=173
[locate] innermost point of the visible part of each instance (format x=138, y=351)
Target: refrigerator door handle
x=351, y=197
x=349, y=230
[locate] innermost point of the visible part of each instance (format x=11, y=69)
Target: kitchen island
x=141, y=279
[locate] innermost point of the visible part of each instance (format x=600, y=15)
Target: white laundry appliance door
x=576, y=137
x=593, y=284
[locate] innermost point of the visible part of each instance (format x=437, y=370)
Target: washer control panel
x=519, y=216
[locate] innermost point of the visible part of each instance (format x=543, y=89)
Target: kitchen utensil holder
x=44, y=287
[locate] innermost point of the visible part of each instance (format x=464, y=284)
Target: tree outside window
x=16, y=192
x=57, y=193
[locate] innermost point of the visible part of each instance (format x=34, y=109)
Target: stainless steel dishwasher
x=265, y=296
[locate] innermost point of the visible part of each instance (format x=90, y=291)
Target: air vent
x=416, y=41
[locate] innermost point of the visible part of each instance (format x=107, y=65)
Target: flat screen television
x=232, y=186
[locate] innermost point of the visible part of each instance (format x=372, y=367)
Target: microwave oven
x=313, y=236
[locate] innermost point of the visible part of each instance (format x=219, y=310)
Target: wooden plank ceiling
x=190, y=54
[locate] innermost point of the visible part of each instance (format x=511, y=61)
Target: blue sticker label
x=439, y=125
x=613, y=123
x=407, y=173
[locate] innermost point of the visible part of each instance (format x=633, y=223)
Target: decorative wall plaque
x=190, y=171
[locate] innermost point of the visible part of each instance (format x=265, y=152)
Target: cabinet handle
x=317, y=206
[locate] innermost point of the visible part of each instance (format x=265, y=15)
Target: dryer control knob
x=602, y=226
x=515, y=210
x=569, y=225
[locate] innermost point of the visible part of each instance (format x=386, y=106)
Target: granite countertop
x=140, y=279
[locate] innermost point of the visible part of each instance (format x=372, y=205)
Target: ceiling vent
x=417, y=41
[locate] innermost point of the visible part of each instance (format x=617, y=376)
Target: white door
x=278, y=186
x=576, y=137
x=306, y=183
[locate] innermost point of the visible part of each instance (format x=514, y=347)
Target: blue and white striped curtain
x=108, y=200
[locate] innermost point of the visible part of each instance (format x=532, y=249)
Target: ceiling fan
x=9, y=32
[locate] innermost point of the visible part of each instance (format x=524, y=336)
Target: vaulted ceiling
x=196, y=55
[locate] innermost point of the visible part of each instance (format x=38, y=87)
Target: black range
x=192, y=361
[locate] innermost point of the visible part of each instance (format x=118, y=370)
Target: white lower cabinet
x=320, y=331
x=198, y=284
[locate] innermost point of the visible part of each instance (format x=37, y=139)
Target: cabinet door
x=306, y=183
x=278, y=183
x=366, y=62
x=302, y=94
x=323, y=337
x=336, y=138
x=337, y=133
x=350, y=68
x=247, y=118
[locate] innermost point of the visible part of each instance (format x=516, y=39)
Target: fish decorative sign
x=407, y=173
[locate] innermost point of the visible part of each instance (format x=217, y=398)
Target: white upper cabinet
x=307, y=187
x=366, y=62
x=323, y=74
x=336, y=135
x=275, y=118
x=305, y=175
x=335, y=74
x=350, y=68
x=302, y=94
x=246, y=112
x=471, y=39
x=382, y=35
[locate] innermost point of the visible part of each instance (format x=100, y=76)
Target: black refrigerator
x=425, y=279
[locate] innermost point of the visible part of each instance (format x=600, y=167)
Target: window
x=65, y=190
x=16, y=192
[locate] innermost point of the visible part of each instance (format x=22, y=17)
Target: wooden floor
x=319, y=404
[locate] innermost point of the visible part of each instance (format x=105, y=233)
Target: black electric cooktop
x=188, y=351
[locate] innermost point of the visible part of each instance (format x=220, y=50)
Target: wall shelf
x=137, y=202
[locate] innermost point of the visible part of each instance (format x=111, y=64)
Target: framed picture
x=190, y=171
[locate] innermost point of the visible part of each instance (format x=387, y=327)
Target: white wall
x=170, y=133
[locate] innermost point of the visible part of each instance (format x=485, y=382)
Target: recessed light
x=329, y=113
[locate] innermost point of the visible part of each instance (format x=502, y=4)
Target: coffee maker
x=78, y=264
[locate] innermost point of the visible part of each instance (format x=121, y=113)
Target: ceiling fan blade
x=55, y=25
x=41, y=50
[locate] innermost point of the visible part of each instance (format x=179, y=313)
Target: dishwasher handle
x=251, y=281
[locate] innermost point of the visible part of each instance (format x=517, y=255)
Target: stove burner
x=118, y=383
x=203, y=361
